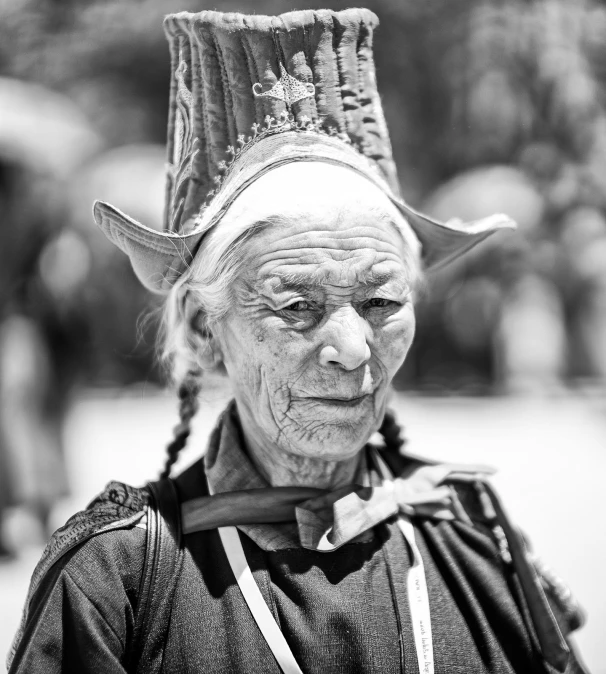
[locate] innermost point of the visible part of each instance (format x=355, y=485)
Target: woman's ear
x=208, y=350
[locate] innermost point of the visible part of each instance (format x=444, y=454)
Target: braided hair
x=188, y=406
x=392, y=432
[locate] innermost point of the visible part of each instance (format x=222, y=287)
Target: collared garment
x=343, y=611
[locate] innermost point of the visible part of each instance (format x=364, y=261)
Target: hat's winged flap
x=158, y=258
x=443, y=242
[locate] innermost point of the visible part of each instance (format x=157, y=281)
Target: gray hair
x=202, y=296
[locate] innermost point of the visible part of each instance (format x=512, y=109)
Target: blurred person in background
x=582, y=281
x=32, y=393
x=296, y=543
x=42, y=264
x=495, y=320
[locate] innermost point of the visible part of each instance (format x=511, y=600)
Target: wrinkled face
x=322, y=316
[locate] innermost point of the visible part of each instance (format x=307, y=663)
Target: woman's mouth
x=342, y=401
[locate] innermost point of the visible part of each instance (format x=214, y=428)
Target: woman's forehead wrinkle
x=318, y=247
x=278, y=282
x=339, y=249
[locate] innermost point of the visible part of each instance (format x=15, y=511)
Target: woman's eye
x=379, y=302
x=301, y=305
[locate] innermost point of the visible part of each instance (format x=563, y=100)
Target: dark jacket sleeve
x=81, y=616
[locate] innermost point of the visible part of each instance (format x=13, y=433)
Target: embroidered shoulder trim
x=117, y=506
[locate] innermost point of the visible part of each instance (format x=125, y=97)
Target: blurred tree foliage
x=465, y=83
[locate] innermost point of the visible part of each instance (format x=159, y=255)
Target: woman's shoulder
x=99, y=551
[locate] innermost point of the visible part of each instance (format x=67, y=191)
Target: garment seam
x=94, y=605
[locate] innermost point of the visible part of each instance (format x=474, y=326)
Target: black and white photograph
x=302, y=337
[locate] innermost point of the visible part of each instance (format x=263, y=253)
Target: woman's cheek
x=396, y=336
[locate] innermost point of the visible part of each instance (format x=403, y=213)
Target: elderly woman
x=294, y=544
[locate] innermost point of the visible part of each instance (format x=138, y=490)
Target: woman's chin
x=335, y=440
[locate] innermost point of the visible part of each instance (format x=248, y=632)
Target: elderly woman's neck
x=284, y=469
x=281, y=469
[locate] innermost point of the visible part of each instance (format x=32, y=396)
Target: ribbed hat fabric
x=218, y=58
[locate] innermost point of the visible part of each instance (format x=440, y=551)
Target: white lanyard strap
x=416, y=584
x=418, y=601
x=253, y=597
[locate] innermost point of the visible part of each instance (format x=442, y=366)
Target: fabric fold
x=326, y=520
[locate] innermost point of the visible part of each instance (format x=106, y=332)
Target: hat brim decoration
x=267, y=91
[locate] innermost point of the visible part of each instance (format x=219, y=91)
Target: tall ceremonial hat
x=251, y=93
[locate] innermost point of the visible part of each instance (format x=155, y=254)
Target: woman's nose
x=345, y=336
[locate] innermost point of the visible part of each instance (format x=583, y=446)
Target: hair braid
x=392, y=432
x=188, y=406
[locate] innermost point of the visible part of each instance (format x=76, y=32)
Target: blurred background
x=492, y=106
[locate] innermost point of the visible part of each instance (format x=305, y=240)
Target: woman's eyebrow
x=298, y=282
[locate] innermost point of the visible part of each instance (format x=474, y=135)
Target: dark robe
x=344, y=611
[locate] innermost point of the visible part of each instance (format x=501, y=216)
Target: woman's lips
x=341, y=401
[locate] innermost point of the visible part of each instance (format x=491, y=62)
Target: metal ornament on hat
x=287, y=89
